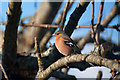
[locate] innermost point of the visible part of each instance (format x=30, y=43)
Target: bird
x=64, y=44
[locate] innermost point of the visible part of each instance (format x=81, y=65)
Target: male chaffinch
x=65, y=44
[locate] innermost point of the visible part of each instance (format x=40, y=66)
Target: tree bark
x=90, y=58
x=75, y=16
x=10, y=45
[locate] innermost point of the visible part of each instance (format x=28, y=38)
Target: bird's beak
x=53, y=34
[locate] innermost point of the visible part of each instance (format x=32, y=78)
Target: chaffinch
x=65, y=44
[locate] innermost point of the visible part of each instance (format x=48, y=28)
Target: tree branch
x=90, y=58
x=111, y=15
x=10, y=39
x=100, y=12
x=54, y=26
x=75, y=16
x=64, y=15
x=97, y=29
x=37, y=49
x=5, y=75
x=92, y=22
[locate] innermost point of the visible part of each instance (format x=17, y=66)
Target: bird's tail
x=77, y=50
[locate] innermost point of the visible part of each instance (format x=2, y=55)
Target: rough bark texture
x=90, y=58
x=10, y=45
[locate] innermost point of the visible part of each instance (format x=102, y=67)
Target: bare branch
x=97, y=30
x=78, y=58
x=10, y=40
x=92, y=21
x=64, y=16
x=37, y=48
x=111, y=15
x=54, y=26
x=4, y=71
x=98, y=23
x=75, y=16
x=100, y=12
x=87, y=39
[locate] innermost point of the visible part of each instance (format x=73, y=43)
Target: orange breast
x=62, y=47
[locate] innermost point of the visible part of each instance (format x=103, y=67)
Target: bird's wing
x=69, y=42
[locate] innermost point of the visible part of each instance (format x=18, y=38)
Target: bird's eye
x=57, y=33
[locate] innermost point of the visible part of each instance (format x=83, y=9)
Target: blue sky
x=28, y=9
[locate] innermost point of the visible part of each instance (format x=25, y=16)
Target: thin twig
x=92, y=22
x=98, y=22
x=23, y=28
x=64, y=16
x=3, y=71
x=37, y=48
x=100, y=12
x=55, y=26
x=97, y=34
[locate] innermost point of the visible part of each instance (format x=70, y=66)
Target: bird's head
x=58, y=33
